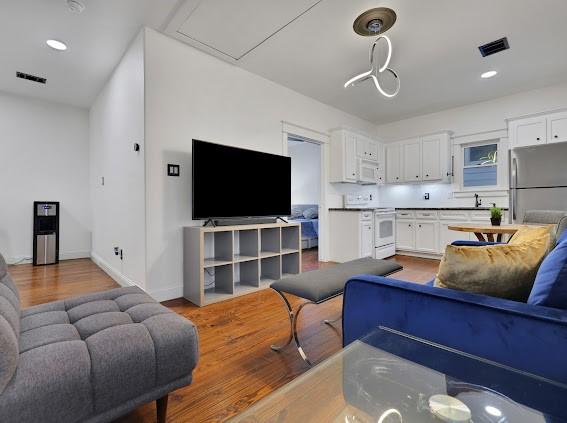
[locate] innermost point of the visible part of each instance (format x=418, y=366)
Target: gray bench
x=318, y=286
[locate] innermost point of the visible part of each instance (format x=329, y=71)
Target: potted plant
x=495, y=215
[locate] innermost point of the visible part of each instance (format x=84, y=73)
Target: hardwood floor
x=237, y=366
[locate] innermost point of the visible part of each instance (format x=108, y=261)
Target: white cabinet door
x=447, y=236
x=557, y=127
x=366, y=239
x=350, y=157
x=405, y=235
x=412, y=160
x=431, y=158
x=380, y=151
x=528, y=132
x=372, y=150
x=426, y=237
x=393, y=164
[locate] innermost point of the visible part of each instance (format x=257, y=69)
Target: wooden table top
x=487, y=228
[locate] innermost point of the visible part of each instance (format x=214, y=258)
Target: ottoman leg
x=290, y=314
x=161, y=405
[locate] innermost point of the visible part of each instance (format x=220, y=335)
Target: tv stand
x=223, y=262
x=242, y=221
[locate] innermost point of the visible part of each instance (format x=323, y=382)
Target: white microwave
x=367, y=171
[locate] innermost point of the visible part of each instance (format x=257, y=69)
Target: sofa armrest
x=519, y=335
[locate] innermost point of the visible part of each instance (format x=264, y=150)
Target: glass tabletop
x=391, y=377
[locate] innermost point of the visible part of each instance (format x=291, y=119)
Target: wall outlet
x=426, y=196
x=172, y=169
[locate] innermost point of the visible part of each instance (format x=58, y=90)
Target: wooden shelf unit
x=223, y=262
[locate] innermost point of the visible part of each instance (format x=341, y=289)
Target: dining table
x=486, y=231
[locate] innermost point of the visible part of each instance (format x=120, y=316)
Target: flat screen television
x=231, y=182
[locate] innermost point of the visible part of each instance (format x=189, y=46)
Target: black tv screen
x=234, y=182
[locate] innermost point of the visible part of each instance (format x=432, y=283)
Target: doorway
x=306, y=193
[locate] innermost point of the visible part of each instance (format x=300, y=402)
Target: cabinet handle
x=409, y=225
x=417, y=176
x=397, y=177
x=537, y=138
x=420, y=226
x=555, y=136
x=427, y=175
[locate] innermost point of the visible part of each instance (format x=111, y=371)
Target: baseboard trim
x=68, y=255
x=117, y=276
x=165, y=294
x=418, y=254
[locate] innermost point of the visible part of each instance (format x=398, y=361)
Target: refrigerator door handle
x=513, y=192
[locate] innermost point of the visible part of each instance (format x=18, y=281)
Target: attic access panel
x=234, y=28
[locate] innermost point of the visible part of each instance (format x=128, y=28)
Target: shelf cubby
x=291, y=240
x=291, y=264
x=270, y=242
x=222, y=262
x=246, y=245
x=246, y=276
x=218, y=282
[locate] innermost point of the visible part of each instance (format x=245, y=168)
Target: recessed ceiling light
x=488, y=74
x=57, y=45
x=493, y=411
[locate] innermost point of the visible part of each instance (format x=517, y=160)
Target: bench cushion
x=319, y=285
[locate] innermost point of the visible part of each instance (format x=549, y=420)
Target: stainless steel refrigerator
x=538, y=179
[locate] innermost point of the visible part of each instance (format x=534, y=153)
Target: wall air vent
x=494, y=47
x=29, y=77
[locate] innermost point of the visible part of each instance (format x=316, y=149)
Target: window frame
x=458, y=151
x=464, y=166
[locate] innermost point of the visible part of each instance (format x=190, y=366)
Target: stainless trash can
x=45, y=232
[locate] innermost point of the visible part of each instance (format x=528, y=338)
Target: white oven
x=367, y=171
x=384, y=232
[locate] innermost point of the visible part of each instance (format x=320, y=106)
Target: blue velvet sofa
x=524, y=336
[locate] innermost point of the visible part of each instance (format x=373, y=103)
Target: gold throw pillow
x=505, y=271
x=529, y=233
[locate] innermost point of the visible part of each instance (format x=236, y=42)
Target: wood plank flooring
x=236, y=367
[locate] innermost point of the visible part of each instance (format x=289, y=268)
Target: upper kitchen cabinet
x=421, y=159
x=538, y=130
x=393, y=163
x=356, y=158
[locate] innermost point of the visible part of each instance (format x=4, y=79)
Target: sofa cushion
x=505, y=271
x=9, y=325
x=550, y=286
x=530, y=233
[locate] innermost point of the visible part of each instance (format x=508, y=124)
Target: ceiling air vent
x=494, y=47
x=29, y=77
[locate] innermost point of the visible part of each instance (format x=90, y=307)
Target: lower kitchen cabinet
x=405, y=235
x=426, y=235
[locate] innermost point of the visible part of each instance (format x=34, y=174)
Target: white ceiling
x=97, y=39
x=306, y=45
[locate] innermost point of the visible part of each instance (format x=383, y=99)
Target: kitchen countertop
x=415, y=208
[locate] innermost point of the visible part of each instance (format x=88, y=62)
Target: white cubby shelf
x=223, y=262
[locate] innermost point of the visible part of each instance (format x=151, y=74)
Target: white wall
x=305, y=172
x=44, y=155
x=478, y=117
x=116, y=123
x=190, y=94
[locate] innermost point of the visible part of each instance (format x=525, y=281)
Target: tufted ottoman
x=92, y=358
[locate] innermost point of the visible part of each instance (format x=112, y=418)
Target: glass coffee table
x=391, y=377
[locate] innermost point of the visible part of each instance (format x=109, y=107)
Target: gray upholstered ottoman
x=318, y=286
x=89, y=359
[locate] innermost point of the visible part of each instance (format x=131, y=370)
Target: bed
x=308, y=216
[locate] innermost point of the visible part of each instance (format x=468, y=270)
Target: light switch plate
x=172, y=169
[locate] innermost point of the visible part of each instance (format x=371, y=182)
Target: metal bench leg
x=293, y=316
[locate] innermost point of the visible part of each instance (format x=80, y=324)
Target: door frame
x=323, y=140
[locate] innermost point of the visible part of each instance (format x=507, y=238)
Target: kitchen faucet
x=477, y=201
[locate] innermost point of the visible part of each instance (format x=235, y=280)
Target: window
x=480, y=165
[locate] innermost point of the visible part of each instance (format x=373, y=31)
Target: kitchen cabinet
x=421, y=159
x=405, y=235
x=393, y=163
x=538, y=130
x=412, y=160
x=348, y=151
x=431, y=158
x=557, y=127
x=426, y=234
x=366, y=239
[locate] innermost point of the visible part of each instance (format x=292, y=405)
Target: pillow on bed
x=296, y=212
x=311, y=213
x=505, y=271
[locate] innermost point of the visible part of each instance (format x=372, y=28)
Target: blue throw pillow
x=550, y=286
